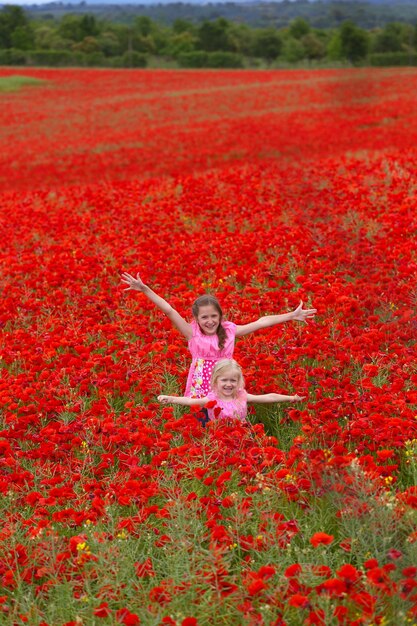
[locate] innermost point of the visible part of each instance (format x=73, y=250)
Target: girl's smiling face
x=227, y=384
x=208, y=319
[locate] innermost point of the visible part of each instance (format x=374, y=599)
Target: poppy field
x=264, y=188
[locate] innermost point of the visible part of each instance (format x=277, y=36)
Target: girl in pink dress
x=228, y=398
x=210, y=338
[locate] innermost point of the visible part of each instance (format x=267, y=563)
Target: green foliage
x=389, y=59
x=109, y=42
x=46, y=37
x=76, y=28
x=389, y=39
x=23, y=37
x=144, y=26
x=182, y=26
x=221, y=59
x=354, y=42
x=313, y=46
x=293, y=50
x=82, y=39
x=334, y=48
x=195, y=59
x=299, y=28
x=214, y=36
x=181, y=43
x=14, y=28
x=257, y=15
x=134, y=59
x=52, y=58
x=267, y=44
x=12, y=57
x=88, y=45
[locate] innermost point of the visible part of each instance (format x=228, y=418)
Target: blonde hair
x=223, y=366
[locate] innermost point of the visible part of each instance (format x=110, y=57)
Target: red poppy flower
x=321, y=538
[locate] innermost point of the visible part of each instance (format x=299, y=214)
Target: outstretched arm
x=268, y=398
x=299, y=314
x=183, y=400
x=136, y=284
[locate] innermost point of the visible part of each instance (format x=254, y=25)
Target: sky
x=40, y=2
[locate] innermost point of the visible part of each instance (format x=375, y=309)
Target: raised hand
x=297, y=398
x=133, y=283
x=302, y=315
x=164, y=399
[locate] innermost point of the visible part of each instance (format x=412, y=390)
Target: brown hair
x=223, y=366
x=208, y=300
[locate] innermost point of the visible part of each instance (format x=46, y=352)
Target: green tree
x=144, y=26
x=354, y=42
x=89, y=26
x=14, y=23
x=116, y=39
x=180, y=43
x=241, y=37
x=109, y=41
x=223, y=59
x=214, y=36
x=70, y=28
x=390, y=39
x=23, y=38
x=197, y=58
x=267, y=44
x=133, y=59
x=148, y=36
x=76, y=28
x=183, y=26
x=299, y=28
x=87, y=46
x=293, y=50
x=334, y=47
x=313, y=46
x=47, y=38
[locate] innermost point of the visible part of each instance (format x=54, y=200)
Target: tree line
x=259, y=14
x=85, y=40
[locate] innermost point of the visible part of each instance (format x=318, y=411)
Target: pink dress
x=235, y=409
x=205, y=354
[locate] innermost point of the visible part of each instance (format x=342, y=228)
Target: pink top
x=205, y=353
x=235, y=409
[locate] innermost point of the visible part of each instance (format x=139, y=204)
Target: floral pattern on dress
x=205, y=354
x=197, y=384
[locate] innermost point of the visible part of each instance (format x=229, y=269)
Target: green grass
x=15, y=83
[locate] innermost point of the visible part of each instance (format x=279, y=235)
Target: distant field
x=89, y=125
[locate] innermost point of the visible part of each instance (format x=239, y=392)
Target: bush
x=197, y=58
x=387, y=59
x=51, y=58
x=11, y=56
x=93, y=59
x=134, y=59
x=224, y=59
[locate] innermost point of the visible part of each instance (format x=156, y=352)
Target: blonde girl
x=228, y=397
